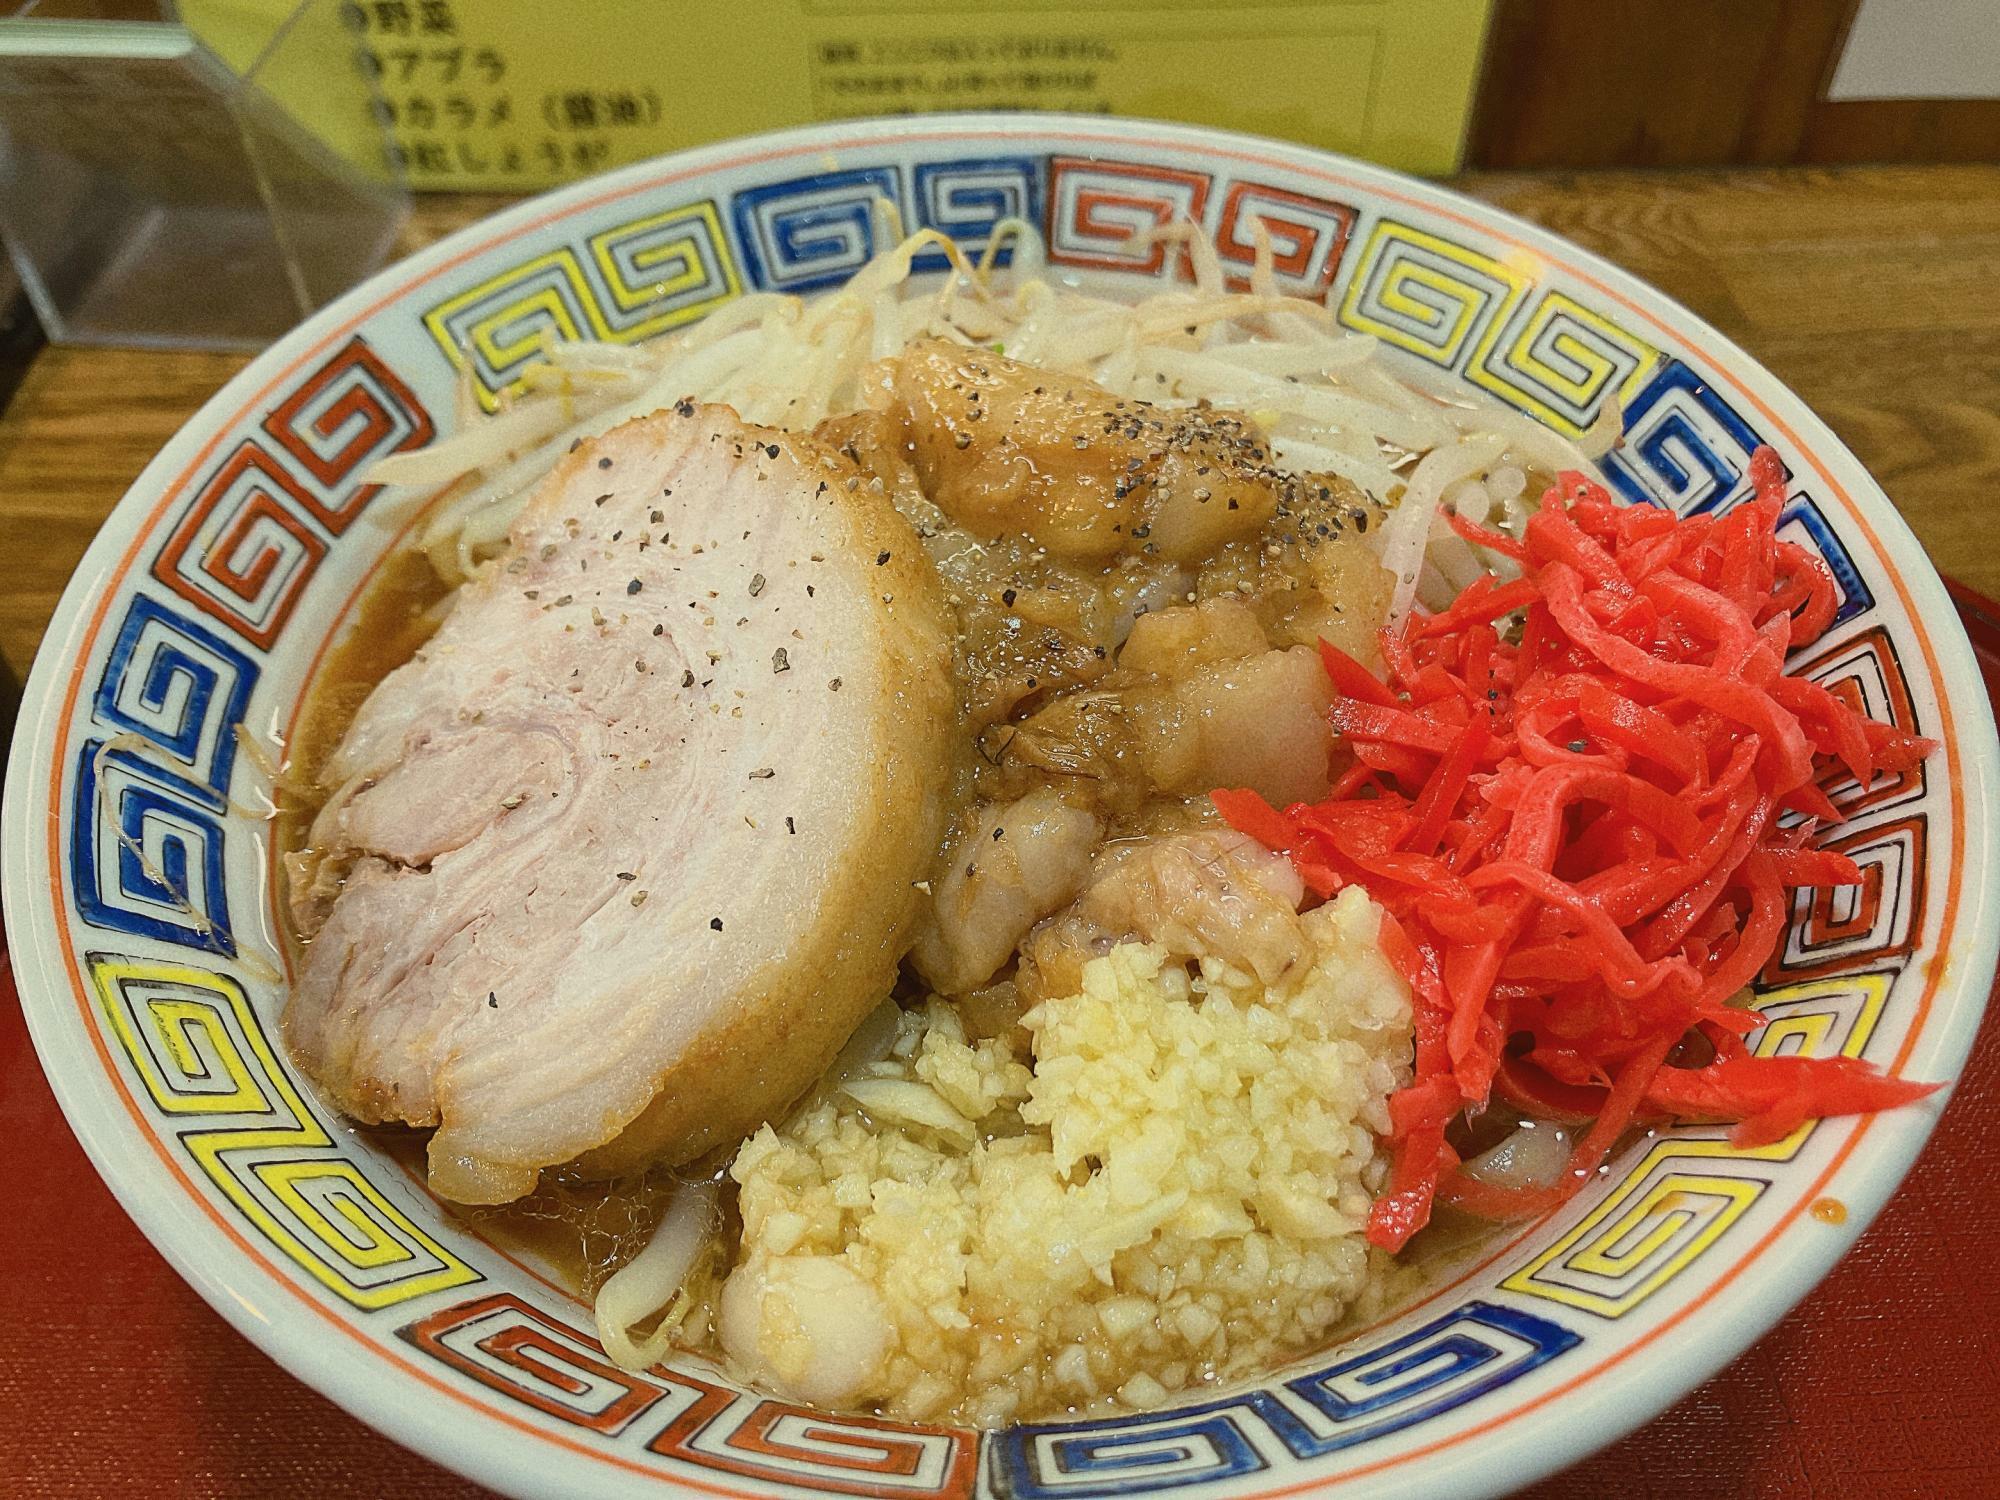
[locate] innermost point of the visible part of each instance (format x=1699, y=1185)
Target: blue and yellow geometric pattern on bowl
x=235, y=580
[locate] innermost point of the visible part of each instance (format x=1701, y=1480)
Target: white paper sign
x=1920, y=49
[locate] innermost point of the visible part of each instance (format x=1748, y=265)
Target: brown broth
x=570, y=1230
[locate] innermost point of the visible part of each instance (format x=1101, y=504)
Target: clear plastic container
x=155, y=192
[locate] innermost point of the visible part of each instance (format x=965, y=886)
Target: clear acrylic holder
x=151, y=194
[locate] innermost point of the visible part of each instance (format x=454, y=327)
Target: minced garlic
x=1174, y=1194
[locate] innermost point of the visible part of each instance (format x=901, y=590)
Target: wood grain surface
x=1869, y=290
x=1698, y=81
x=1635, y=83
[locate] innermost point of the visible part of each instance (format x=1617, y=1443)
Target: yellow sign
x=513, y=94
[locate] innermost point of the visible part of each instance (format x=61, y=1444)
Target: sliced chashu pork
x=628, y=849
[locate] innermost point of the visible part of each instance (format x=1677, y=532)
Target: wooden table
x=1870, y=291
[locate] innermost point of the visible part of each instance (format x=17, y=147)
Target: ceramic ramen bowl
x=218, y=583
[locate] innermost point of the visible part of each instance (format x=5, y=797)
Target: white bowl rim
x=1736, y=1310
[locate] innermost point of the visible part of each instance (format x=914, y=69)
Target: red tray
x=115, y=1378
